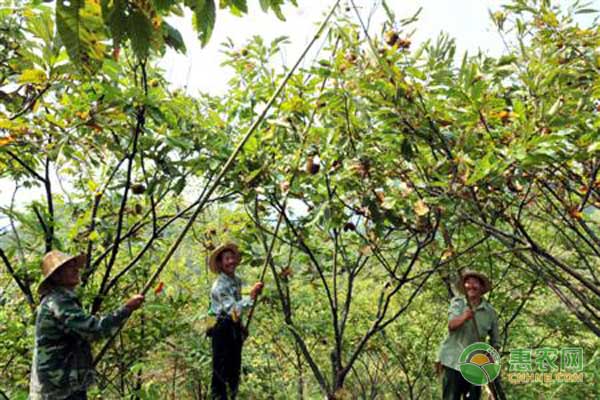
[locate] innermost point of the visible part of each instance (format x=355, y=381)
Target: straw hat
x=212, y=261
x=53, y=261
x=485, y=281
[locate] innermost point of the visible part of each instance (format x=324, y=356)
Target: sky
x=199, y=69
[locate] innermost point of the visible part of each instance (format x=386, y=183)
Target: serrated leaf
x=265, y=4
x=35, y=76
x=140, y=33
x=94, y=235
x=276, y=7
x=80, y=27
x=163, y=5
x=113, y=13
x=205, y=15
x=173, y=38
x=179, y=186
x=241, y=5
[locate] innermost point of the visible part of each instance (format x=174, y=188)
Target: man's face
x=229, y=262
x=67, y=275
x=473, y=286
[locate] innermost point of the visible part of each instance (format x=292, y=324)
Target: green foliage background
x=400, y=167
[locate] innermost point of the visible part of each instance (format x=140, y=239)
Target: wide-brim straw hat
x=212, y=261
x=55, y=260
x=485, y=281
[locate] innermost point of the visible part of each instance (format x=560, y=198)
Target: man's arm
x=458, y=314
x=459, y=321
x=75, y=320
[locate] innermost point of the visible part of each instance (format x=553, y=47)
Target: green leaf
x=179, y=186
x=482, y=168
x=32, y=76
x=519, y=109
x=250, y=178
x=180, y=142
x=390, y=14
x=265, y=4
x=586, y=11
x=251, y=146
x=42, y=26
x=557, y=104
x=276, y=7
x=417, y=73
x=506, y=60
x=163, y=5
x=205, y=15
x=240, y=5
x=81, y=29
x=173, y=38
x=113, y=12
x=594, y=147
x=140, y=33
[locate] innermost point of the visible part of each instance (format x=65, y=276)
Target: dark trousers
x=455, y=387
x=227, y=343
x=77, y=396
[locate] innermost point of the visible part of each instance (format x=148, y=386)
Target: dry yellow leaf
x=6, y=140
x=421, y=208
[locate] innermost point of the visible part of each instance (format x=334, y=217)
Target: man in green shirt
x=462, y=332
x=62, y=366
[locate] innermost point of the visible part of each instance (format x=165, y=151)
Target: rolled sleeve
x=224, y=302
x=226, y=297
x=456, y=308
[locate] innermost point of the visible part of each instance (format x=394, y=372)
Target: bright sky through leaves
x=466, y=20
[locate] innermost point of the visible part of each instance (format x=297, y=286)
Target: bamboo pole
x=206, y=195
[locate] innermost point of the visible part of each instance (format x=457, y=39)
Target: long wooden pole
x=493, y=388
x=206, y=195
x=268, y=259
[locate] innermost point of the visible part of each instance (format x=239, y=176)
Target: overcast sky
x=199, y=69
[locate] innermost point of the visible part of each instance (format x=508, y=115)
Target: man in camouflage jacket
x=62, y=358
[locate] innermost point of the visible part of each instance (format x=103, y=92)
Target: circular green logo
x=479, y=363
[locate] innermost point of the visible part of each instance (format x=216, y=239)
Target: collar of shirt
x=457, y=340
x=484, y=305
x=63, y=291
x=230, y=279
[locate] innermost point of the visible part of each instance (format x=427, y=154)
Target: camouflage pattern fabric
x=62, y=357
